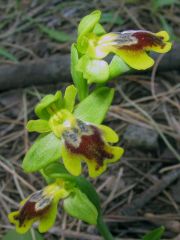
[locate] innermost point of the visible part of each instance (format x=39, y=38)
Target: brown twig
x=149, y=194
x=57, y=68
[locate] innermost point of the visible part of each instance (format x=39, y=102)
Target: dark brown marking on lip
x=91, y=146
x=145, y=39
x=29, y=211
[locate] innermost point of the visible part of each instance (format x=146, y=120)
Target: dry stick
x=74, y=235
x=147, y=216
x=57, y=68
x=154, y=70
x=12, y=171
x=44, y=71
x=153, y=191
x=153, y=123
x=114, y=189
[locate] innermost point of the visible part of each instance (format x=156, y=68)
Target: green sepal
x=87, y=188
x=117, y=67
x=94, y=108
x=78, y=205
x=88, y=22
x=93, y=70
x=155, y=234
x=70, y=97
x=40, y=126
x=57, y=170
x=83, y=43
x=79, y=81
x=50, y=99
x=45, y=150
x=99, y=30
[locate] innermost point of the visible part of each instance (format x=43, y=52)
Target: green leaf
x=41, y=108
x=88, y=22
x=117, y=67
x=12, y=234
x=109, y=17
x=7, y=55
x=78, y=205
x=58, y=36
x=77, y=76
x=45, y=150
x=156, y=234
x=94, y=108
x=57, y=170
x=39, y=126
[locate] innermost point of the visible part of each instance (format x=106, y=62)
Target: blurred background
x=142, y=191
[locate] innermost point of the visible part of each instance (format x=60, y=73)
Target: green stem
x=103, y=229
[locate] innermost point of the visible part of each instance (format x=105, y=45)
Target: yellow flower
x=90, y=143
x=131, y=46
x=40, y=207
x=74, y=139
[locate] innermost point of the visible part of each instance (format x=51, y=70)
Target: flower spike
x=131, y=46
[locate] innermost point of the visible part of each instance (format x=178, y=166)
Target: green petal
x=99, y=30
x=45, y=150
x=72, y=162
x=40, y=126
x=69, y=97
x=94, y=108
x=88, y=22
x=117, y=67
x=83, y=43
x=41, y=109
x=79, y=206
x=108, y=134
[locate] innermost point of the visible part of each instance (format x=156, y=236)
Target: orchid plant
x=70, y=125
